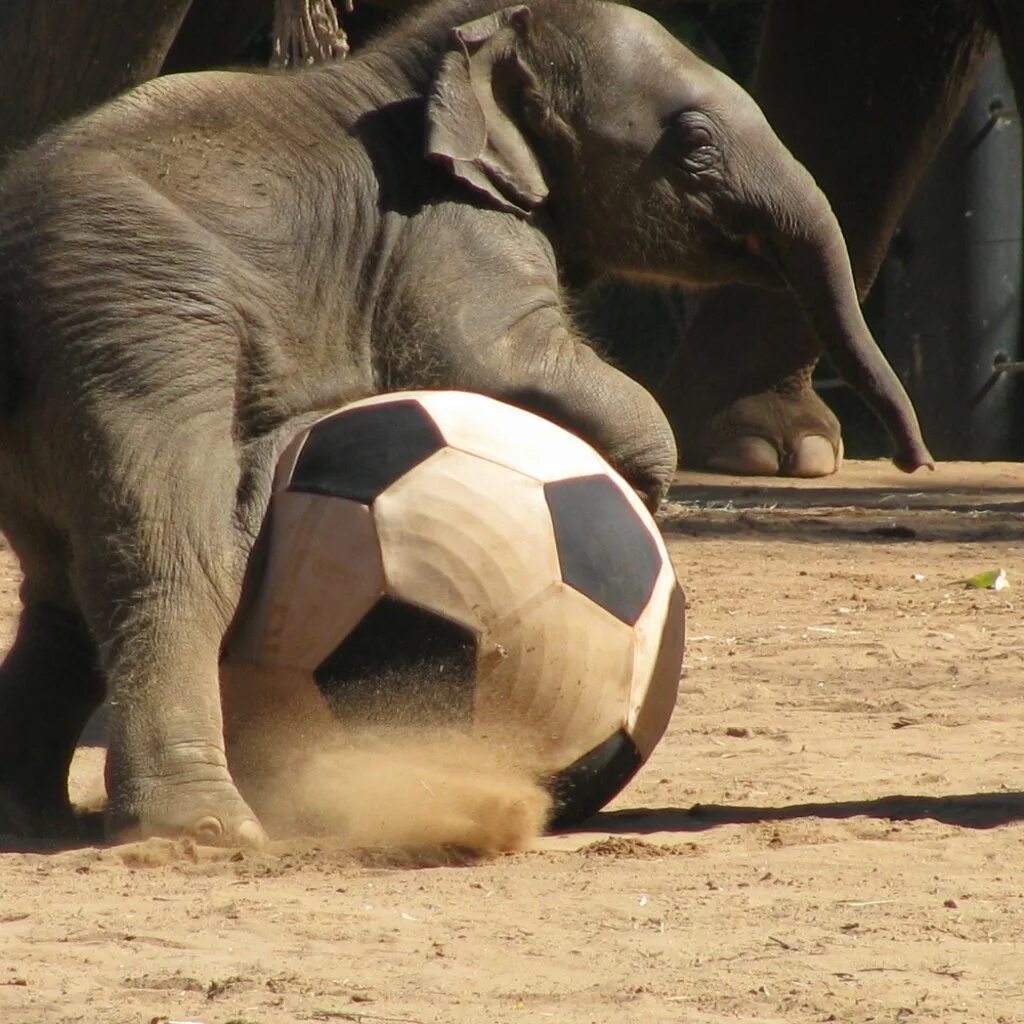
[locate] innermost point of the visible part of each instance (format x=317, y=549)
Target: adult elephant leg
x=752, y=410
x=862, y=92
x=62, y=58
x=50, y=683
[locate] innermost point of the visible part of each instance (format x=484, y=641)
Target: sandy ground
x=830, y=831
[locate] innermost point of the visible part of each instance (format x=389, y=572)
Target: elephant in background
x=863, y=92
x=60, y=59
x=190, y=273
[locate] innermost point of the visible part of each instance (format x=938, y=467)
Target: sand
x=830, y=831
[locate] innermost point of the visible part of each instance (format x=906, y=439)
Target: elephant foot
x=739, y=392
x=210, y=812
x=812, y=456
x=782, y=432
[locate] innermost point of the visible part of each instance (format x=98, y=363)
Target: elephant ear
x=468, y=126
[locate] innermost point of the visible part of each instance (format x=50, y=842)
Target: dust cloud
x=389, y=786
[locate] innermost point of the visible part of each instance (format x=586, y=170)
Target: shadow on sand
x=882, y=499
x=85, y=831
x=974, y=810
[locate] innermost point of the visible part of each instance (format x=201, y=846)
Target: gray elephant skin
x=192, y=271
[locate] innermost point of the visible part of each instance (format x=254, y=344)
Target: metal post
x=952, y=284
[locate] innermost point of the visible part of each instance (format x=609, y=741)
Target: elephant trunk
x=816, y=265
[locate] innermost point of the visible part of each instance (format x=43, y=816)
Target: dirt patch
x=627, y=846
x=831, y=829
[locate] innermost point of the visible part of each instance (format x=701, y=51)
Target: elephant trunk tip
x=913, y=455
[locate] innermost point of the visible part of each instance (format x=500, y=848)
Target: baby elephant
x=191, y=272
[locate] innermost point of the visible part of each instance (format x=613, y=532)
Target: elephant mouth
x=765, y=260
x=761, y=247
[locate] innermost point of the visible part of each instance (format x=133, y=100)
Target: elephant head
x=639, y=159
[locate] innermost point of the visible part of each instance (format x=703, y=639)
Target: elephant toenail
x=752, y=456
x=813, y=456
x=250, y=833
x=208, y=829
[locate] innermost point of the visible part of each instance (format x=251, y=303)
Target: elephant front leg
x=547, y=368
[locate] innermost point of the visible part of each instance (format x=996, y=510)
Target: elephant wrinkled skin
x=192, y=271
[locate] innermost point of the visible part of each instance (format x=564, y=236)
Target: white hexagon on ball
x=444, y=557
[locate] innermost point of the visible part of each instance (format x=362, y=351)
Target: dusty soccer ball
x=445, y=558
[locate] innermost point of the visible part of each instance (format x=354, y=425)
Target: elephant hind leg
x=158, y=574
x=50, y=683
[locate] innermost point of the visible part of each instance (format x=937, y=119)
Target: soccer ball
x=440, y=557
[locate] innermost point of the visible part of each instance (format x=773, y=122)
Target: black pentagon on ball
x=582, y=789
x=402, y=665
x=604, y=549
x=358, y=453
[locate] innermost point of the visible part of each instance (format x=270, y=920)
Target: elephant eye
x=693, y=142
